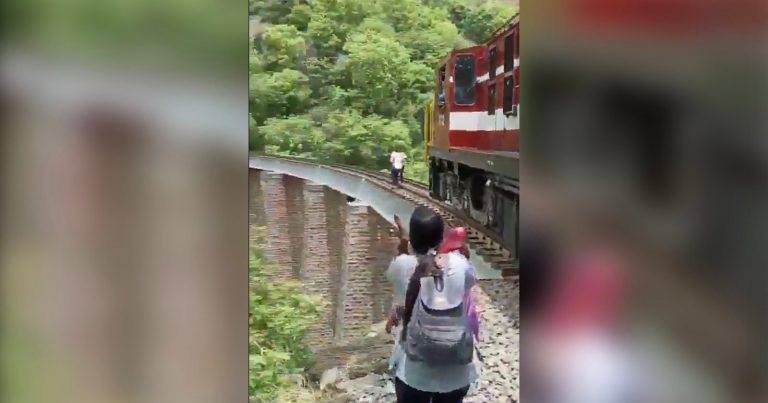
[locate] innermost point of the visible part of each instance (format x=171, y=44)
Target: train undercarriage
x=488, y=198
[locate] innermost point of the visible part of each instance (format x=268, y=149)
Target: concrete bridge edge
x=384, y=203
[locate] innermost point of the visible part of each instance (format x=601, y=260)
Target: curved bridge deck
x=383, y=202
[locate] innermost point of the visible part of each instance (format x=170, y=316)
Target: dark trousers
x=396, y=175
x=407, y=394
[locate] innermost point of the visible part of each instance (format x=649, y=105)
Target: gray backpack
x=439, y=338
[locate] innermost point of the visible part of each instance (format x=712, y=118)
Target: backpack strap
x=439, y=281
x=435, y=271
x=426, y=266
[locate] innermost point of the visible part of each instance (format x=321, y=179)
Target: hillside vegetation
x=346, y=80
x=279, y=316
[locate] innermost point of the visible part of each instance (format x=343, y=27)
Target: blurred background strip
x=645, y=141
x=124, y=201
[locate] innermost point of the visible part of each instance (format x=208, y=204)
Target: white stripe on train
x=482, y=121
x=499, y=71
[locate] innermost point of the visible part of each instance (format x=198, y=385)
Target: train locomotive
x=472, y=133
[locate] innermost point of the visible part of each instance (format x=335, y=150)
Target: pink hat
x=454, y=239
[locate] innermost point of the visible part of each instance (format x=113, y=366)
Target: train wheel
x=466, y=198
x=490, y=208
x=436, y=186
x=446, y=190
x=480, y=194
x=453, y=190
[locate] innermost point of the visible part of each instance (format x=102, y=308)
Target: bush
x=279, y=316
x=417, y=169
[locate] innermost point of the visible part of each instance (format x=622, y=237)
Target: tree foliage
x=282, y=93
x=479, y=23
x=294, y=135
x=347, y=80
x=376, y=65
x=332, y=20
x=283, y=47
x=272, y=11
x=279, y=316
x=362, y=140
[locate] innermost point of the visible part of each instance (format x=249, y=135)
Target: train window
x=492, y=62
x=464, y=75
x=509, y=88
x=492, y=99
x=509, y=52
x=441, y=87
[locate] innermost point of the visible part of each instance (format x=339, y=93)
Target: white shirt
x=401, y=269
x=397, y=159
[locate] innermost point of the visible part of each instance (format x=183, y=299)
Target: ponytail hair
x=426, y=267
x=426, y=230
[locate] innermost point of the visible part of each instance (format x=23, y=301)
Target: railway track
x=486, y=244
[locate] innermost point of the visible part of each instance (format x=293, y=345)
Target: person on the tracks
x=431, y=288
x=398, y=162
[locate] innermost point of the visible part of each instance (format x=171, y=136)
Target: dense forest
x=346, y=80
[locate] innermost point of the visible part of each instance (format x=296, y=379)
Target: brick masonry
x=335, y=229
x=339, y=251
x=294, y=204
x=381, y=252
x=356, y=304
x=255, y=202
x=315, y=258
x=343, y=255
x=278, y=243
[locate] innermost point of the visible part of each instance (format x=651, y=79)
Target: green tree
x=333, y=20
x=431, y=44
x=293, y=90
x=376, y=26
x=418, y=82
x=255, y=136
x=283, y=46
x=260, y=97
x=272, y=11
x=347, y=80
x=366, y=141
x=426, y=31
x=294, y=135
x=282, y=93
x=479, y=23
x=377, y=66
x=255, y=62
x=403, y=15
x=300, y=16
x=324, y=72
x=416, y=167
x=280, y=314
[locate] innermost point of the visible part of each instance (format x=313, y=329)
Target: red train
x=472, y=132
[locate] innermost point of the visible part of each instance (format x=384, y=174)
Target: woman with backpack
x=432, y=359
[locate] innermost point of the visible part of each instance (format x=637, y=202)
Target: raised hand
x=401, y=233
x=403, y=247
x=391, y=322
